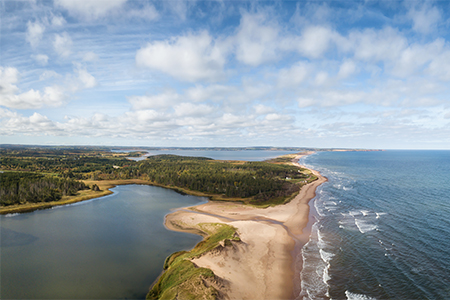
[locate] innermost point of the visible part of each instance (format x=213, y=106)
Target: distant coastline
x=138, y=148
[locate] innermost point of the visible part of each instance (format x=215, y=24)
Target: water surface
x=107, y=248
x=247, y=155
x=383, y=229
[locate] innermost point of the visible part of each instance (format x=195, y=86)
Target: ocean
x=382, y=227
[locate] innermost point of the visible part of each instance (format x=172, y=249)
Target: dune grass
x=184, y=280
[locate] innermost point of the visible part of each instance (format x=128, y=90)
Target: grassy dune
x=182, y=279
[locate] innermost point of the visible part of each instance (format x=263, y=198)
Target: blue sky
x=353, y=74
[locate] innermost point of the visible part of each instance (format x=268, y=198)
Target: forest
x=21, y=187
x=258, y=180
x=45, y=174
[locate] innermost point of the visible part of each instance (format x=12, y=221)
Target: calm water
x=247, y=155
x=383, y=229
x=108, y=248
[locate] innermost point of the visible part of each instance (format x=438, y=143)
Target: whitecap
x=326, y=256
x=318, y=208
x=354, y=296
x=325, y=275
x=380, y=214
x=364, y=227
x=337, y=186
x=365, y=212
x=320, y=242
x=355, y=213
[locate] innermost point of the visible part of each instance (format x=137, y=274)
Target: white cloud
x=342, y=97
x=34, y=34
x=424, y=18
x=52, y=96
x=41, y=59
x=48, y=74
x=261, y=109
x=36, y=123
x=85, y=78
x=145, y=116
x=8, y=78
x=179, y=8
x=148, y=12
x=55, y=95
x=58, y=21
x=274, y=117
x=294, y=76
x=313, y=13
x=439, y=67
x=11, y=97
x=192, y=110
x=214, y=92
x=373, y=45
x=62, y=44
x=256, y=40
x=321, y=78
x=415, y=57
x=164, y=100
x=347, y=68
x=90, y=56
x=305, y=102
x=188, y=58
x=90, y=9
x=315, y=41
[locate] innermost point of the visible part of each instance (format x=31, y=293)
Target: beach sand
x=261, y=266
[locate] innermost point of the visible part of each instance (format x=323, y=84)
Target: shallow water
x=383, y=229
x=107, y=248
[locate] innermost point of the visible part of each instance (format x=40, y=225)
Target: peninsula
x=255, y=260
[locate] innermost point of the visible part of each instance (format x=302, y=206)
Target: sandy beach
x=261, y=266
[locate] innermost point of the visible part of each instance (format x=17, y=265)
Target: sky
x=329, y=74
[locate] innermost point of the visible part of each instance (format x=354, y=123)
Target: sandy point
x=261, y=266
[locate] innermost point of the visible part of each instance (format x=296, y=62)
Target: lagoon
x=106, y=248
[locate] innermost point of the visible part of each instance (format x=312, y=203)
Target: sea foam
x=353, y=296
x=364, y=226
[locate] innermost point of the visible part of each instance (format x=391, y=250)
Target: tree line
x=259, y=180
x=21, y=187
x=256, y=181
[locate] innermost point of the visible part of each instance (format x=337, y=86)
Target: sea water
x=382, y=229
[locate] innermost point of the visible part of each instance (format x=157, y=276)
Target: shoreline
x=84, y=195
x=263, y=265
